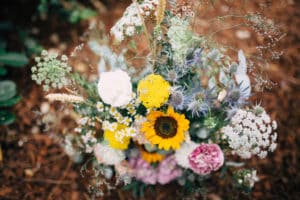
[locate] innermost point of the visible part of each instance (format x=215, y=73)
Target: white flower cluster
x=251, y=133
x=119, y=117
x=85, y=121
x=107, y=155
x=100, y=107
x=70, y=147
x=137, y=124
x=250, y=179
x=89, y=140
x=106, y=125
x=127, y=25
x=119, y=133
x=126, y=132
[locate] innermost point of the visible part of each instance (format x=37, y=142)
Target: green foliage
x=8, y=89
x=77, y=15
x=89, y=88
x=137, y=188
x=72, y=10
x=3, y=71
x=8, y=97
x=10, y=102
x=6, y=117
x=31, y=45
x=13, y=59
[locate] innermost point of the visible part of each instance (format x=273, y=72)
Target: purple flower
x=143, y=171
x=200, y=102
x=206, y=158
x=166, y=171
x=195, y=58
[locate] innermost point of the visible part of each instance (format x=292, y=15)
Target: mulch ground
x=34, y=166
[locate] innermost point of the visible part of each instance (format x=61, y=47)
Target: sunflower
x=151, y=157
x=166, y=130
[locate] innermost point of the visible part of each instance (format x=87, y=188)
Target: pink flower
x=166, y=171
x=143, y=171
x=206, y=158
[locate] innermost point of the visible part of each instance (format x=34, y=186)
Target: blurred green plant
x=71, y=10
x=8, y=88
x=32, y=46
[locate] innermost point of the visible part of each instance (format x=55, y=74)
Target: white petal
x=242, y=68
x=244, y=82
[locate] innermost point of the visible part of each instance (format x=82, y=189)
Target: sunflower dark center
x=165, y=127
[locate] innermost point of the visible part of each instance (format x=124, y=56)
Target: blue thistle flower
x=172, y=75
x=201, y=101
x=195, y=59
x=198, y=108
x=178, y=98
x=236, y=96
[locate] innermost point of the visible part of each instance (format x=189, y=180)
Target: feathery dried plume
x=64, y=98
x=160, y=11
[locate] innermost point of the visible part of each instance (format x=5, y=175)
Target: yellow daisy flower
x=167, y=130
x=153, y=91
x=151, y=157
x=114, y=141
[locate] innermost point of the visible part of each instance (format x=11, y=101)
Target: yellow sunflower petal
x=151, y=157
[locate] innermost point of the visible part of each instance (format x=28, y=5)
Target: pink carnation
x=206, y=158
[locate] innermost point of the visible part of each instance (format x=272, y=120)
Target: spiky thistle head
x=178, y=98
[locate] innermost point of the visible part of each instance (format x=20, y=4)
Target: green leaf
x=13, y=59
x=74, y=16
x=32, y=46
x=6, y=117
x=8, y=89
x=87, y=13
x=3, y=71
x=10, y=102
x=132, y=44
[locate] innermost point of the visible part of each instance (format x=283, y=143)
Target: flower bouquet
x=181, y=116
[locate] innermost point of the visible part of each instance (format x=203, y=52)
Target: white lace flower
x=182, y=154
x=131, y=19
x=115, y=88
x=251, y=133
x=107, y=155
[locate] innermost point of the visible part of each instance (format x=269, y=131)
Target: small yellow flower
x=114, y=141
x=167, y=130
x=151, y=157
x=153, y=91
